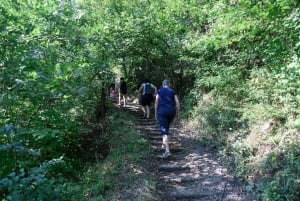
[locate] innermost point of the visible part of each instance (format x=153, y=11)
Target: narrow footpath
x=192, y=172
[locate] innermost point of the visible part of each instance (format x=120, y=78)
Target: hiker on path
x=166, y=108
x=112, y=91
x=148, y=90
x=122, y=91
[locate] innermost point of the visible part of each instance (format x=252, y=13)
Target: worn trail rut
x=192, y=172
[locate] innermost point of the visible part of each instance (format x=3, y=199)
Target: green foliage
x=221, y=118
x=52, y=75
x=120, y=168
x=32, y=184
x=248, y=54
x=230, y=62
x=285, y=166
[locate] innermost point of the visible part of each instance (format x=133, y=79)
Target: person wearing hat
x=166, y=108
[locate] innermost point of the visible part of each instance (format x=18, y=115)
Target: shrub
x=281, y=171
x=32, y=184
x=221, y=117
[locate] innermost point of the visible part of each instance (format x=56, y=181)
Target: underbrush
x=260, y=144
x=81, y=164
x=122, y=170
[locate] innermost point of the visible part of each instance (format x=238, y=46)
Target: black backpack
x=148, y=89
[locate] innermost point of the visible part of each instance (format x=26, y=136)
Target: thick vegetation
x=235, y=65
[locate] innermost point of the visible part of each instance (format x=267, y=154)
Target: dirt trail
x=193, y=172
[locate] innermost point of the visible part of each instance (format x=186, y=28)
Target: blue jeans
x=165, y=117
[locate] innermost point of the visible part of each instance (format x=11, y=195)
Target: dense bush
x=51, y=81
x=283, y=170
x=248, y=55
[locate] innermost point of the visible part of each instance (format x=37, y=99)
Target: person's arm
x=177, y=106
x=156, y=105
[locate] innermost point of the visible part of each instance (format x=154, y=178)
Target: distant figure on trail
x=122, y=91
x=147, y=90
x=166, y=108
x=112, y=91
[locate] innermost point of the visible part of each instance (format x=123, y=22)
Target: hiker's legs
x=163, y=125
x=166, y=143
x=120, y=96
x=165, y=117
x=146, y=101
x=147, y=111
x=124, y=99
x=144, y=110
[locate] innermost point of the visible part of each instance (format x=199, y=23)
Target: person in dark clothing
x=147, y=90
x=166, y=108
x=122, y=91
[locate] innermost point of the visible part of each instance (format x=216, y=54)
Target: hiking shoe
x=166, y=154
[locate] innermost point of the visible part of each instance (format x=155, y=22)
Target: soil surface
x=192, y=172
